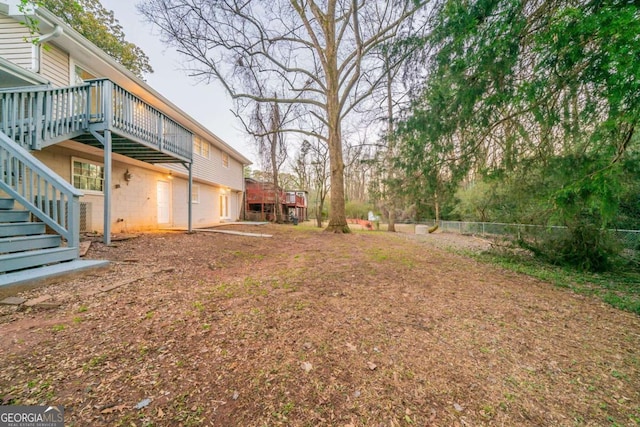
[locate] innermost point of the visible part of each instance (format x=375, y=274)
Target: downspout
x=57, y=32
x=244, y=196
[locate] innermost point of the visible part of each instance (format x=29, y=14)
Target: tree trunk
x=274, y=165
x=391, y=200
x=273, y=142
x=337, y=214
x=392, y=218
x=319, y=214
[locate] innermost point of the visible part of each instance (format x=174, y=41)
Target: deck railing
x=40, y=190
x=132, y=117
x=38, y=117
x=33, y=117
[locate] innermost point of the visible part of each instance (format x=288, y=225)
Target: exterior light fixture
x=127, y=176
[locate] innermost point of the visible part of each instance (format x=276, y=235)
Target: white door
x=163, y=202
x=224, y=206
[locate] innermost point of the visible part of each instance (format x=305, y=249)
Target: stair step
x=21, y=229
x=13, y=215
x=6, y=203
x=28, y=243
x=40, y=274
x=28, y=259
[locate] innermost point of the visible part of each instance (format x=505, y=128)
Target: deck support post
x=189, y=202
x=107, y=187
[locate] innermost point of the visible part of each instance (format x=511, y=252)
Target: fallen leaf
x=372, y=366
x=113, y=409
x=306, y=366
x=351, y=347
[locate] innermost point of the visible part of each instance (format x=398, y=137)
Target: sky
x=207, y=103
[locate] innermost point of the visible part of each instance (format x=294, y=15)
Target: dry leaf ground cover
x=309, y=328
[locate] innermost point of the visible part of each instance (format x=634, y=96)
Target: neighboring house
x=87, y=146
x=261, y=201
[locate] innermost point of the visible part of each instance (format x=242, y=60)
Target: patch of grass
x=620, y=288
x=254, y=286
x=187, y=415
x=393, y=255
x=488, y=411
x=284, y=411
x=223, y=289
x=247, y=255
x=42, y=389
x=143, y=350
x=284, y=285
x=82, y=309
x=619, y=375
x=300, y=305
x=94, y=362
x=249, y=286
x=58, y=328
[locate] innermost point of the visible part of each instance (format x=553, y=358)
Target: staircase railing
x=40, y=190
x=42, y=116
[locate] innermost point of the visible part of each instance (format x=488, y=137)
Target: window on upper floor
x=87, y=175
x=201, y=147
x=225, y=159
x=81, y=75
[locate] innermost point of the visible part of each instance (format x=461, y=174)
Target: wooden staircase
x=30, y=190
x=24, y=244
x=28, y=254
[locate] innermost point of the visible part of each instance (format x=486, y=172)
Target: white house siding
x=134, y=203
x=206, y=212
x=203, y=212
x=13, y=46
x=212, y=170
x=54, y=65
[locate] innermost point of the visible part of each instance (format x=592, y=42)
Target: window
x=200, y=147
x=87, y=175
x=82, y=75
x=225, y=159
x=195, y=193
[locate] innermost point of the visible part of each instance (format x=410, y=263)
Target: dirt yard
x=308, y=328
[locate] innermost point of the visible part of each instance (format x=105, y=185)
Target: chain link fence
x=629, y=239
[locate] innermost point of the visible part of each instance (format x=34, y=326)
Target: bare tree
x=272, y=146
x=300, y=167
x=318, y=54
x=319, y=167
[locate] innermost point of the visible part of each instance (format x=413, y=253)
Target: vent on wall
x=85, y=217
